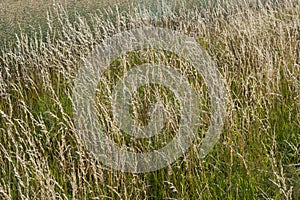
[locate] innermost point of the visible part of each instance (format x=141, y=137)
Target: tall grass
x=256, y=49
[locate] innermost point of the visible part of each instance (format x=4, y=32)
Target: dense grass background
x=255, y=45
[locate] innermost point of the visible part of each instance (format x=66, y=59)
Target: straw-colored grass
x=256, y=50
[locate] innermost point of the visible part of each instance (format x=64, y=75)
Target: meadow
x=256, y=48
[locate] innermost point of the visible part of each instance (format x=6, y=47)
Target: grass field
x=256, y=48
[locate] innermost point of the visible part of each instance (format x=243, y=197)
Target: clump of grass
x=256, y=49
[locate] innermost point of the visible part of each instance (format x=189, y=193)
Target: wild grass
x=256, y=49
x=30, y=16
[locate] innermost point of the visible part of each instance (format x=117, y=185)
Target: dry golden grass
x=30, y=15
x=256, y=50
